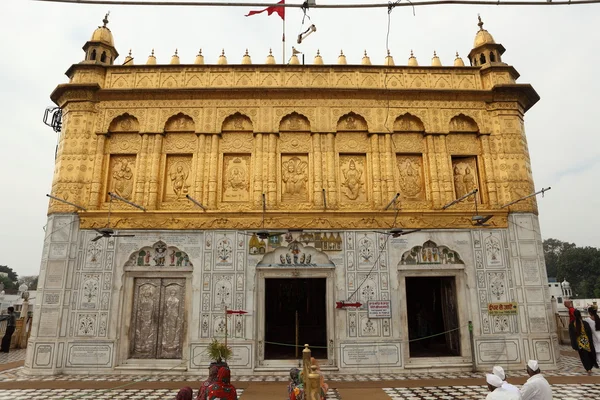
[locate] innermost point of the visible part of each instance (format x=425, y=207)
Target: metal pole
x=226, y=326
x=283, y=40
x=474, y=368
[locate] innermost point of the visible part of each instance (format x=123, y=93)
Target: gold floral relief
x=466, y=178
x=461, y=143
x=236, y=178
x=353, y=178
x=410, y=172
x=121, y=176
x=178, y=177
x=294, y=178
x=124, y=143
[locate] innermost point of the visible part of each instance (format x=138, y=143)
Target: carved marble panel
x=353, y=178
x=410, y=173
x=90, y=291
x=493, y=251
x=236, y=178
x=121, y=173
x=172, y=318
x=294, y=178
x=178, y=177
x=466, y=178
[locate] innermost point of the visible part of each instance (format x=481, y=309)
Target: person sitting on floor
x=499, y=372
x=213, y=370
x=222, y=389
x=296, y=385
x=536, y=387
x=497, y=392
x=185, y=393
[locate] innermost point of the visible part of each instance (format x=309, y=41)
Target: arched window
x=482, y=58
x=93, y=55
x=492, y=57
x=103, y=57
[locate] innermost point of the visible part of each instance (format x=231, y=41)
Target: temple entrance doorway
x=157, y=318
x=432, y=316
x=295, y=305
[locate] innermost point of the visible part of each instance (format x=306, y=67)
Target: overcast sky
x=554, y=48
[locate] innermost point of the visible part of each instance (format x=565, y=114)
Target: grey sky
x=554, y=48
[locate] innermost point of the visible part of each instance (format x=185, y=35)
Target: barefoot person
x=499, y=372
x=10, y=329
x=582, y=342
x=497, y=392
x=594, y=321
x=213, y=370
x=222, y=389
x=536, y=387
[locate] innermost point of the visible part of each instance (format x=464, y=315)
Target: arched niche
x=463, y=124
x=237, y=122
x=124, y=123
x=352, y=122
x=159, y=255
x=430, y=253
x=180, y=123
x=409, y=123
x=294, y=122
x=296, y=255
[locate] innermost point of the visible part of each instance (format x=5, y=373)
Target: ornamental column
x=141, y=171
x=433, y=171
x=154, y=172
x=376, y=170
x=96, y=187
x=318, y=170
x=332, y=195
x=489, y=170
x=213, y=168
x=201, y=154
x=258, y=169
x=389, y=167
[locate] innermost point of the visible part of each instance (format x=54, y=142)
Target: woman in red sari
x=212, y=378
x=185, y=393
x=222, y=389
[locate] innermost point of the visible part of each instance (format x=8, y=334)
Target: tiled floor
x=13, y=356
x=560, y=392
x=77, y=394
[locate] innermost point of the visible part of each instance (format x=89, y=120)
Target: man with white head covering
x=536, y=387
x=496, y=390
x=499, y=372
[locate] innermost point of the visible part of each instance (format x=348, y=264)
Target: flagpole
x=283, y=40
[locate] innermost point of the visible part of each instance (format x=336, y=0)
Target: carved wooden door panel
x=171, y=327
x=157, y=320
x=145, y=318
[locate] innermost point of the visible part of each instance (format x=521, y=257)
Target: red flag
x=271, y=10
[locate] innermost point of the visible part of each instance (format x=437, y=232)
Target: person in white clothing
x=536, y=387
x=594, y=321
x=499, y=372
x=497, y=392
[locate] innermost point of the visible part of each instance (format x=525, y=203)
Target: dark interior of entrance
x=284, y=300
x=432, y=310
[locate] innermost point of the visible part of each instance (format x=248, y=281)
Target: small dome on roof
x=412, y=60
x=103, y=34
x=222, y=60
x=342, y=58
x=151, y=59
x=270, y=58
x=318, y=59
x=246, y=60
x=458, y=62
x=565, y=284
x=365, y=60
x=435, y=61
x=389, y=60
x=483, y=36
x=199, y=58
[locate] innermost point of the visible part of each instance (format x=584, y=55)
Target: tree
x=8, y=281
x=553, y=248
x=31, y=281
x=12, y=275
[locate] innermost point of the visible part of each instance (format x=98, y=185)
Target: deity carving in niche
x=178, y=174
x=464, y=170
x=294, y=174
x=122, y=176
x=353, y=183
x=144, y=320
x=236, y=178
x=171, y=324
x=410, y=170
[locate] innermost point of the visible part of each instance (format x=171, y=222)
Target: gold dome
x=458, y=62
x=294, y=60
x=342, y=58
x=175, y=58
x=435, y=61
x=151, y=59
x=412, y=61
x=222, y=59
x=199, y=58
x=365, y=60
x=318, y=59
x=246, y=60
x=389, y=60
x=483, y=36
x=128, y=59
x=103, y=34
x=270, y=58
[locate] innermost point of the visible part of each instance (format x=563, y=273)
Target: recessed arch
x=352, y=122
x=408, y=123
x=159, y=255
x=431, y=253
x=463, y=123
x=179, y=123
x=294, y=122
x=124, y=123
x=237, y=122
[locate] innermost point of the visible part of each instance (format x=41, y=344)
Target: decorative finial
x=457, y=56
x=105, y=20
x=152, y=54
x=366, y=53
x=270, y=52
x=341, y=52
x=223, y=52
x=411, y=53
x=480, y=23
x=176, y=52
x=435, y=55
x=388, y=51
x=318, y=52
x=246, y=52
x=200, y=52
x=129, y=52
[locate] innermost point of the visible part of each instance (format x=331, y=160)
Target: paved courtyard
x=569, y=382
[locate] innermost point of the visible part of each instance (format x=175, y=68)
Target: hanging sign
x=502, y=308
x=380, y=308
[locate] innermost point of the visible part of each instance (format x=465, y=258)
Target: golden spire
x=222, y=59
x=412, y=61
x=318, y=59
x=435, y=61
x=128, y=60
x=105, y=20
x=199, y=58
x=342, y=58
x=175, y=58
x=480, y=23
x=246, y=60
x=458, y=62
x=366, y=60
x=270, y=58
x=389, y=60
x=151, y=59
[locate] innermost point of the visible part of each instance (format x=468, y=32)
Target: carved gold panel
x=236, y=142
x=353, y=178
x=124, y=143
x=294, y=122
x=352, y=122
x=408, y=142
x=180, y=123
x=294, y=178
x=350, y=142
x=465, y=175
x=236, y=178
x=180, y=143
x=121, y=175
x=178, y=177
x=463, y=143
x=410, y=173
x=157, y=318
x=294, y=142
